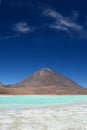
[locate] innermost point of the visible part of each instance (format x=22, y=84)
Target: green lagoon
x=35, y=100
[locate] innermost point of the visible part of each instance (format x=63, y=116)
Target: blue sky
x=43, y=33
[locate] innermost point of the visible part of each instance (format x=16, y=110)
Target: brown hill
x=3, y=90
x=44, y=82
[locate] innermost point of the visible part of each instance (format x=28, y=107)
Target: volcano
x=46, y=82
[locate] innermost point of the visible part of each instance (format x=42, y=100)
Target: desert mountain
x=47, y=77
x=46, y=82
x=3, y=90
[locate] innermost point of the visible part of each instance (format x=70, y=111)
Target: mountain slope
x=47, y=81
x=47, y=77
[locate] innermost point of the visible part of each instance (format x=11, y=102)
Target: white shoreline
x=43, y=95
x=57, y=117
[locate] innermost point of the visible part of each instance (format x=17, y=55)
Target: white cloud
x=18, y=29
x=22, y=27
x=62, y=23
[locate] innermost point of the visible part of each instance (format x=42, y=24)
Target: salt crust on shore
x=63, y=117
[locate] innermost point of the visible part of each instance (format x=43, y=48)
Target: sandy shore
x=64, y=117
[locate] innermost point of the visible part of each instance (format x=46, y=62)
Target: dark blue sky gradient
x=28, y=40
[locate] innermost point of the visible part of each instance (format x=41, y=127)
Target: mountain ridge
x=46, y=82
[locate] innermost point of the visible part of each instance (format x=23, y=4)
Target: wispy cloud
x=22, y=27
x=9, y=37
x=67, y=24
x=17, y=29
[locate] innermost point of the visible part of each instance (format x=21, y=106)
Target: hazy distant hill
x=44, y=82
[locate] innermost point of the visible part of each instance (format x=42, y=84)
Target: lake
x=40, y=99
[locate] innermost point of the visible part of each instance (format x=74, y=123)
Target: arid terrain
x=44, y=82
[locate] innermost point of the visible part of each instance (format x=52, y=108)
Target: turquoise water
x=39, y=99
